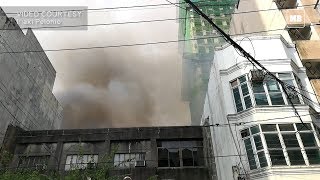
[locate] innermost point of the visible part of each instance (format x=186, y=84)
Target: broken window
x=81, y=161
x=130, y=153
x=180, y=153
x=33, y=162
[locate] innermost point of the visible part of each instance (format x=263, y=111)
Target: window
x=277, y=157
x=308, y=139
x=33, y=162
x=284, y=144
x=264, y=93
x=250, y=154
x=129, y=152
x=313, y=156
x=295, y=157
x=254, y=147
x=127, y=160
x=180, y=153
x=81, y=161
x=241, y=93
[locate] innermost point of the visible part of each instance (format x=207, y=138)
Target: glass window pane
x=254, y=129
x=286, y=127
x=290, y=140
x=258, y=142
x=258, y=87
x=268, y=127
x=293, y=96
x=250, y=155
x=242, y=79
x=237, y=99
x=187, y=158
x=198, y=157
x=245, y=90
x=68, y=161
x=262, y=159
x=313, y=156
x=304, y=126
x=261, y=99
x=245, y=133
x=174, y=159
x=277, y=157
x=296, y=157
x=276, y=99
x=272, y=140
x=163, y=157
x=127, y=157
x=273, y=86
x=247, y=101
x=308, y=139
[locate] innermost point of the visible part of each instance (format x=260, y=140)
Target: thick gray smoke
x=119, y=87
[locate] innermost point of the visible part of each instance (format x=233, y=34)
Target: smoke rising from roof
x=119, y=87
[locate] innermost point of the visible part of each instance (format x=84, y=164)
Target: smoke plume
x=119, y=87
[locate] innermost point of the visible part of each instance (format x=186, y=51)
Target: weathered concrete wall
x=26, y=80
x=57, y=144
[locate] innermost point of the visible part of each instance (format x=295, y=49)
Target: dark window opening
x=277, y=157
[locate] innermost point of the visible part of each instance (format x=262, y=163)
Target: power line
x=136, y=6
x=144, y=21
x=139, y=44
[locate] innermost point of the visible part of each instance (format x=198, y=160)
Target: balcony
x=316, y=87
x=309, y=50
x=296, y=18
x=286, y=4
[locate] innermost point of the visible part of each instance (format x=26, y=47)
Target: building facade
x=253, y=124
x=296, y=20
x=26, y=80
x=197, y=54
x=164, y=152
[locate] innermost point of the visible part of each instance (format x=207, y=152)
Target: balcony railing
x=286, y=4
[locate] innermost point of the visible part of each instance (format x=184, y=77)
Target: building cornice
x=266, y=109
x=283, y=171
x=264, y=62
x=256, y=37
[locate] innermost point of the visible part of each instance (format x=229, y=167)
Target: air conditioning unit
x=140, y=163
x=256, y=75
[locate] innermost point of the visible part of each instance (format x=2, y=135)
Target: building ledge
x=285, y=170
x=269, y=109
x=237, y=38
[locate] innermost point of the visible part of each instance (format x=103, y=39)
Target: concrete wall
x=57, y=144
x=277, y=56
x=26, y=80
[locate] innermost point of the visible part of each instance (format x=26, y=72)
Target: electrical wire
x=246, y=54
x=143, y=21
x=131, y=7
x=136, y=44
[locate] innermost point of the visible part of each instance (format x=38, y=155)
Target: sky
x=116, y=87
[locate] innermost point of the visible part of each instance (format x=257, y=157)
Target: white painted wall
x=277, y=56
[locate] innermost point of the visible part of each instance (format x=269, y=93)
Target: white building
x=255, y=131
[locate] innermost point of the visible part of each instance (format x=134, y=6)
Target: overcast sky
x=147, y=75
